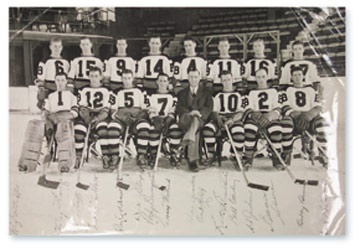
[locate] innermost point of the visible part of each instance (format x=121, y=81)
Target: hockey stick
x=118, y=181
x=296, y=180
x=84, y=151
x=42, y=181
x=316, y=142
x=158, y=152
x=249, y=184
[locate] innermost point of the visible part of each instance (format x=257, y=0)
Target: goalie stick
x=248, y=183
x=119, y=183
x=296, y=180
x=42, y=181
x=84, y=151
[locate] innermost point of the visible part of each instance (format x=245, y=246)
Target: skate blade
x=82, y=186
x=258, y=186
x=122, y=185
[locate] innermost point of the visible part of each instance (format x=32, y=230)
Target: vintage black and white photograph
x=177, y=121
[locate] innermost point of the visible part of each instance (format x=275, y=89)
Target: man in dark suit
x=194, y=106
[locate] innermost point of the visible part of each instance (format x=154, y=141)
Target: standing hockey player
x=129, y=111
x=229, y=109
x=309, y=68
x=163, y=120
x=151, y=65
x=301, y=103
x=59, y=109
x=191, y=61
x=259, y=60
x=263, y=118
x=48, y=69
x=94, y=104
x=194, y=107
x=80, y=67
x=115, y=66
x=223, y=63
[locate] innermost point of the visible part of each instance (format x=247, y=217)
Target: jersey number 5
x=89, y=65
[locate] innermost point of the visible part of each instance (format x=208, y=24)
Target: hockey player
x=223, y=63
x=48, y=69
x=163, y=120
x=94, y=104
x=229, y=109
x=115, y=66
x=259, y=60
x=263, y=118
x=191, y=61
x=309, y=68
x=80, y=67
x=130, y=110
x=301, y=103
x=59, y=109
x=151, y=65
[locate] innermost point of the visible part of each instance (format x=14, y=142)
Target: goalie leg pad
x=32, y=146
x=66, y=145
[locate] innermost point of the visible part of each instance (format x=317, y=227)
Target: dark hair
x=297, y=42
x=163, y=74
x=61, y=73
x=56, y=39
x=154, y=36
x=296, y=68
x=258, y=40
x=92, y=69
x=189, y=38
x=262, y=68
x=128, y=71
x=225, y=72
x=85, y=38
x=120, y=38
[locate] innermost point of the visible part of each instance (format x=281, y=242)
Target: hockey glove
x=167, y=123
x=84, y=113
x=158, y=123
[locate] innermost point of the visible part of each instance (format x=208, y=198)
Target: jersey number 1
x=157, y=68
x=232, y=103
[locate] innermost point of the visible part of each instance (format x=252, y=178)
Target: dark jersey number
x=121, y=66
x=60, y=101
x=157, y=68
x=221, y=67
x=232, y=103
x=262, y=64
x=59, y=67
x=89, y=64
x=191, y=66
x=300, y=98
x=97, y=101
x=128, y=99
x=263, y=97
x=163, y=102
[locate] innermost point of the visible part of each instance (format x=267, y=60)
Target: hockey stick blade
x=300, y=181
x=122, y=185
x=313, y=182
x=47, y=183
x=82, y=186
x=258, y=186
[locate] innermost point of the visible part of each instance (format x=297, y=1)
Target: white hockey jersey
x=130, y=98
x=61, y=101
x=229, y=102
x=308, y=67
x=115, y=66
x=251, y=65
x=48, y=69
x=301, y=99
x=264, y=100
x=226, y=64
x=94, y=98
x=162, y=104
x=80, y=67
x=186, y=64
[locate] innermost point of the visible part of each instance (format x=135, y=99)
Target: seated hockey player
x=301, y=103
x=263, y=118
x=228, y=110
x=59, y=109
x=94, y=103
x=129, y=111
x=163, y=120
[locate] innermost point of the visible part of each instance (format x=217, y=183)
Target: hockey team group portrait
x=133, y=121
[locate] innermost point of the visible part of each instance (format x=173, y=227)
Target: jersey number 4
x=157, y=68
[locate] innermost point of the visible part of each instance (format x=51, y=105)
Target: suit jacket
x=203, y=102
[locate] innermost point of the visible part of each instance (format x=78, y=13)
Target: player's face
x=121, y=46
x=85, y=46
x=155, y=45
x=258, y=47
x=189, y=46
x=224, y=47
x=261, y=79
x=227, y=82
x=95, y=79
x=194, y=78
x=60, y=82
x=56, y=48
x=127, y=80
x=297, y=77
x=298, y=51
x=163, y=83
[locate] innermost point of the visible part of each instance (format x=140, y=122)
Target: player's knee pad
x=250, y=129
x=175, y=131
x=80, y=131
x=274, y=131
x=238, y=132
x=34, y=135
x=115, y=129
x=141, y=127
x=65, y=144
